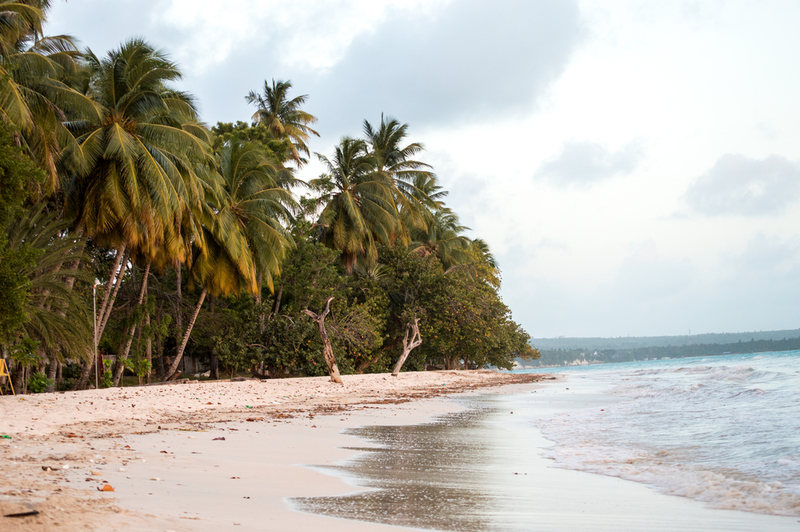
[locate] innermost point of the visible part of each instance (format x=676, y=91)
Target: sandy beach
x=231, y=456
x=201, y=441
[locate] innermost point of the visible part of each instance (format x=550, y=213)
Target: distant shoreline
x=554, y=358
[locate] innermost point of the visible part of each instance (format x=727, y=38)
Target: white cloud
x=736, y=185
x=589, y=162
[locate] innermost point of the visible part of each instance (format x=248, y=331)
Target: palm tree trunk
x=83, y=380
x=117, y=271
x=52, y=371
x=277, y=307
x=105, y=313
x=178, y=308
x=327, y=350
x=174, y=366
x=120, y=368
x=19, y=378
x=149, y=348
x=416, y=340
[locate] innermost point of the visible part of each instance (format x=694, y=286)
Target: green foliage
x=17, y=175
x=103, y=154
x=38, y=383
x=107, y=380
x=226, y=132
x=25, y=352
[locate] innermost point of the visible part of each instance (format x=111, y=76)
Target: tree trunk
x=178, y=308
x=416, y=340
x=213, y=372
x=111, y=291
x=149, y=348
x=277, y=307
x=327, y=350
x=52, y=372
x=71, y=280
x=120, y=368
x=112, y=276
x=86, y=370
x=179, y=355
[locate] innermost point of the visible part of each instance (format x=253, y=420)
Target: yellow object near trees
x=3, y=375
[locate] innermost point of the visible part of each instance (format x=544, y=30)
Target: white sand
x=96, y=433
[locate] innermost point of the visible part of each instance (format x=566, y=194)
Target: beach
x=258, y=455
x=63, y=447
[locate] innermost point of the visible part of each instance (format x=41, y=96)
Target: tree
x=327, y=350
x=34, y=92
x=443, y=237
x=408, y=344
x=262, y=207
x=17, y=172
x=402, y=171
x=226, y=264
x=283, y=117
x=135, y=167
x=134, y=182
x=361, y=212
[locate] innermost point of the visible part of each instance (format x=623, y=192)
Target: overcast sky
x=634, y=165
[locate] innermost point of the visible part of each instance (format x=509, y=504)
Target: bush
x=38, y=383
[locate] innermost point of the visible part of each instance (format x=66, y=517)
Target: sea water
x=721, y=430
x=724, y=430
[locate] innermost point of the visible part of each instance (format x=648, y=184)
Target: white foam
x=724, y=434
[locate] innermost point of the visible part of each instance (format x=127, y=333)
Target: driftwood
x=327, y=350
x=416, y=340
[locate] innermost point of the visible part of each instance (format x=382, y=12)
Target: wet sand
x=481, y=470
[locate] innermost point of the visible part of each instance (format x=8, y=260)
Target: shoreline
x=230, y=466
x=101, y=437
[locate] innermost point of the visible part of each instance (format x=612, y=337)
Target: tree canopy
x=201, y=244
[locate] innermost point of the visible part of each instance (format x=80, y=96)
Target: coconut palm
x=135, y=168
x=34, y=92
x=361, y=212
x=283, y=117
x=255, y=192
x=58, y=318
x=444, y=238
x=134, y=178
x=410, y=178
x=224, y=266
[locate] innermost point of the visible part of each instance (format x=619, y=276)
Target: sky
x=633, y=165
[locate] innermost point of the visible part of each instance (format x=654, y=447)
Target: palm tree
x=361, y=212
x=255, y=192
x=225, y=266
x=410, y=178
x=135, y=168
x=444, y=238
x=283, y=117
x=58, y=318
x=134, y=179
x=34, y=92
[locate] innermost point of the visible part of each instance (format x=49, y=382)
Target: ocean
x=596, y=450
x=724, y=430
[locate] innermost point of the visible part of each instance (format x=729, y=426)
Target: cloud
x=740, y=186
x=588, y=162
x=426, y=63
x=470, y=61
